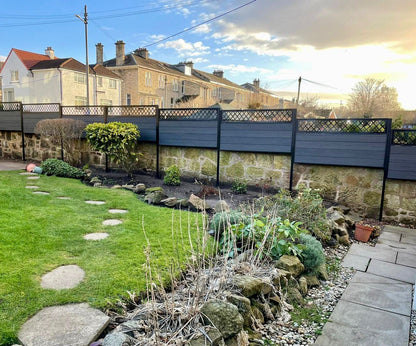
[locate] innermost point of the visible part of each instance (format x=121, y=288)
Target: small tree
x=64, y=133
x=117, y=140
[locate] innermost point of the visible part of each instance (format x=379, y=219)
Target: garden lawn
x=41, y=232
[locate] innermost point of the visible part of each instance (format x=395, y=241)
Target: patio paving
x=10, y=165
x=375, y=308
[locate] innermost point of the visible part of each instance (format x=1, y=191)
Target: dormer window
x=14, y=76
x=100, y=81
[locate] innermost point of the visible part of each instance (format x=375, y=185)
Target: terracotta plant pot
x=363, y=233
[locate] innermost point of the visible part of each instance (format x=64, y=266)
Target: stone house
x=261, y=96
x=36, y=78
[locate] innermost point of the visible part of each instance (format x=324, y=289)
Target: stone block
x=372, y=198
x=254, y=172
x=208, y=168
x=235, y=171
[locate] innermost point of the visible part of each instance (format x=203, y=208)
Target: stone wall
x=400, y=202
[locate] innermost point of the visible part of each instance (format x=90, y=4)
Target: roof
x=28, y=58
x=210, y=77
x=100, y=70
x=253, y=88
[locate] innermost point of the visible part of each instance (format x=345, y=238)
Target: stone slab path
x=64, y=325
x=375, y=308
x=63, y=277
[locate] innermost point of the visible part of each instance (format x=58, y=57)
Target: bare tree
x=372, y=98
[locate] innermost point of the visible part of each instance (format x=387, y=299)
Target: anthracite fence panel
x=402, y=163
x=31, y=119
x=10, y=121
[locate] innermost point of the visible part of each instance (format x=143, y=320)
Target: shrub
x=61, y=169
x=172, y=176
x=239, y=186
x=222, y=221
x=313, y=253
x=64, y=133
x=117, y=140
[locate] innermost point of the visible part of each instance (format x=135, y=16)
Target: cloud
x=3, y=58
x=186, y=49
x=199, y=60
x=240, y=68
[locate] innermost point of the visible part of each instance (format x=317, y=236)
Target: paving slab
x=63, y=277
x=41, y=193
x=392, y=271
x=64, y=197
x=112, y=222
x=355, y=324
x=95, y=202
x=397, y=246
x=33, y=178
x=384, y=254
x=406, y=259
x=398, y=229
x=355, y=261
x=32, y=187
x=96, y=236
x=6, y=165
x=28, y=173
x=66, y=325
x=390, y=236
x=408, y=238
x=117, y=211
x=371, y=290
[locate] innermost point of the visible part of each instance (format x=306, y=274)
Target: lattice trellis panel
x=9, y=106
x=82, y=110
x=342, y=125
x=41, y=108
x=404, y=137
x=132, y=111
x=263, y=115
x=189, y=114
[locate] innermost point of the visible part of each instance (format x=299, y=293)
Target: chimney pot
x=142, y=52
x=99, y=50
x=256, y=83
x=50, y=52
x=219, y=73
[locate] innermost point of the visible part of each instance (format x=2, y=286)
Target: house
x=261, y=96
x=43, y=78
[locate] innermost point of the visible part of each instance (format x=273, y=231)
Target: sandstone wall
x=400, y=201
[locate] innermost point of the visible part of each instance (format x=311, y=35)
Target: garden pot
x=363, y=233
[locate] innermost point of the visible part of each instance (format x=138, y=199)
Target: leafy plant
x=222, y=221
x=239, y=186
x=313, y=253
x=117, y=140
x=61, y=169
x=172, y=176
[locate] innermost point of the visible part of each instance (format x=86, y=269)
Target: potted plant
x=364, y=230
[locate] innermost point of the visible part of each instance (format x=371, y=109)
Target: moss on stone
x=372, y=198
x=273, y=174
x=255, y=172
x=264, y=160
x=208, y=168
x=235, y=171
x=210, y=154
x=192, y=153
x=225, y=157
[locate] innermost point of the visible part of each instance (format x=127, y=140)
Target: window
x=214, y=92
x=112, y=84
x=140, y=101
x=80, y=101
x=171, y=102
x=14, y=76
x=128, y=100
x=183, y=87
x=100, y=81
x=162, y=103
x=79, y=78
x=148, y=79
x=162, y=82
x=8, y=95
x=175, y=85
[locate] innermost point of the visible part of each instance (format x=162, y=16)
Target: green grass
x=39, y=233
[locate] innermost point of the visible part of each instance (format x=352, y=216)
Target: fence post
x=389, y=138
x=293, y=148
x=60, y=110
x=157, y=142
x=23, y=131
x=219, y=121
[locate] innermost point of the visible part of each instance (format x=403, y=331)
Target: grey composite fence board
x=146, y=125
x=88, y=119
x=10, y=121
x=31, y=119
x=188, y=133
x=402, y=163
x=343, y=149
x=256, y=137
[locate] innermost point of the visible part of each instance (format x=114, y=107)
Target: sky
x=331, y=44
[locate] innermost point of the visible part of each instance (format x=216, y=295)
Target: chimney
x=190, y=64
x=50, y=52
x=99, y=51
x=186, y=67
x=256, y=83
x=120, y=53
x=142, y=52
x=219, y=73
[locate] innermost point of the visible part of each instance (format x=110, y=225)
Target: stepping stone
x=32, y=178
x=41, y=193
x=72, y=324
x=27, y=173
x=117, y=211
x=63, y=197
x=112, y=222
x=63, y=277
x=32, y=187
x=96, y=236
x=95, y=202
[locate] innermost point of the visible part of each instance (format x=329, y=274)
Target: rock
x=264, y=309
x=224, y=316
x=95, y=180
x=128, y=327
x=291, y=264
x=344, y=240
x=215, y=338
x=276, y=302
x=170, y=202
x=197, y=203
x=140, y=188
x=322, y=273
x=312, y=280
x=294, y=296
x=97, y=184
x=281, y=281
x=336, y=217
x=118, y=339
x=241, y=339
x=292, y=282
x=303, y=286
x=153, y=189
x=155, y=197
x=128, y=187
x=350, y=220
x=342, y=230
x=221, y=206
x=182, y=203
x=243, y=305
x=250, y=286
x=257, y=314
x=116, y=187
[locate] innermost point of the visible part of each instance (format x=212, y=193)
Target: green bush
x=222, y=221
x=239, y=186
x=61, y=169
x=117, y=140
x=172, y=176
x=313, y=253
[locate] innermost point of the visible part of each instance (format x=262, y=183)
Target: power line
x=320, y=84
x=202, y=23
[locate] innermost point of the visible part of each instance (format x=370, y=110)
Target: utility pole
x=297, y=99
x=87, y=67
